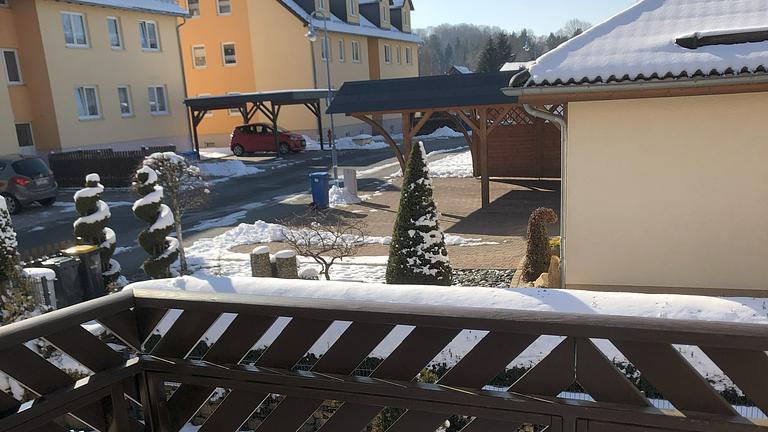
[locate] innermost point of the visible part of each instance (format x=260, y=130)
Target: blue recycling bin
x=319, y=184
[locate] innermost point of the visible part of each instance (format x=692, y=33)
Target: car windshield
x=30, y=167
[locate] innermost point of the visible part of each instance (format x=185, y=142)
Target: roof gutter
x=562, y=124
x=641, y=85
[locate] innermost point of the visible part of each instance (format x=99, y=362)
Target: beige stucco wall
x=8, y=141
x=668, y=192
x=105, y=68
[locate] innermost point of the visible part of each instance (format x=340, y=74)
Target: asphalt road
x=257, y=194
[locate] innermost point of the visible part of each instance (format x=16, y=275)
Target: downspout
x=184, y=81
x=561, y=124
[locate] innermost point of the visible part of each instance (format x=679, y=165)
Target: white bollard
x=350, y=181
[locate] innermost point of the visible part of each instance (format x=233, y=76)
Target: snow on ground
x=219, y=222
x=364, y=142
x=675, y=307
x=227, y=169
x=215, y=152
x=443, y=133
x=454, y=166
x=341, y=197
x=212, y=256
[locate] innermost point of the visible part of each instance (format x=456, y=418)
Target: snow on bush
x=15, y=298
x=418, y=252
x=91, y=227
x=162, y=250
x=229, y=168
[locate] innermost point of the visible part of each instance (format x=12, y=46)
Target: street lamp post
x=312, y=36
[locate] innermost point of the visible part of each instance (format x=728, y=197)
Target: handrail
x=682, y=332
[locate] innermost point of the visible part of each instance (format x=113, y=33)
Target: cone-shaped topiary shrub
x=91, y=227
x=418, y=254
x=162, y=250
x=538, y=251
x=15, y=297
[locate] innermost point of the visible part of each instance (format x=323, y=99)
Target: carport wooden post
x=484, y=180
x=407, y=118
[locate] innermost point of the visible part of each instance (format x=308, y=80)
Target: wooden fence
x=161, y=386
x=116, y=168
x=36, y=253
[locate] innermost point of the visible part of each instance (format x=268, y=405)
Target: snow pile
x=453, y=166
x=674, y=307
x=443, y=133
x=359, y=142
x=340, y=197
x=228, y=168
x=641, y=41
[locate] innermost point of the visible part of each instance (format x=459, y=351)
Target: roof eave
x=133, y=9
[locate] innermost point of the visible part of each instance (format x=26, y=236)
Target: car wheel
x=47, y=202
x=238, y=150
x=14, y=206
x=284, y=149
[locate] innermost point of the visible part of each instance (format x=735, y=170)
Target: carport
x=474, y=102
x=268, y=103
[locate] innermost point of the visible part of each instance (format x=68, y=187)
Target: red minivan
x=259, y=137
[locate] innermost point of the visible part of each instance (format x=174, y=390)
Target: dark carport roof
x=278, y=97
x=422, y=93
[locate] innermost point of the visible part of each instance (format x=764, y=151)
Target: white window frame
x=18, y=66
x=208, y=114
x=385, y=11
x=321, y=4
x=120, y=45
x=75, y=44
x=153, y=89
x=356, y=53
x=408, y=55
x=194, y=57
x=192, y=16
x=342, y=51
x=84, y=97
x=399, y=54
x=351, y=4
x=145, y=24
x=234, y=112
x=326, y=54
x=31, y=134
x=387, y=54
x=224, y=56
x=218, y=8
x=130, y=112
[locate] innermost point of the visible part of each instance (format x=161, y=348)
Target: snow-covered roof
x=164, y=7
x=462, y=69
x=640, y=44
x=365, y=28
x=516, y=66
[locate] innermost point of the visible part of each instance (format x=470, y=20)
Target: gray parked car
x=24, y=180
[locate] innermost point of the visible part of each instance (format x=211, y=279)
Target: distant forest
x=483, y=48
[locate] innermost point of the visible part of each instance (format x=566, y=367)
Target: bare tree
x=183, y=188
x=325, y=237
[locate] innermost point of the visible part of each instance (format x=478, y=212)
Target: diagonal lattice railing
x=151, y=371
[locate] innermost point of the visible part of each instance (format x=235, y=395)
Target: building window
x=321, y=4
x=406, y=18
x=356, y=51
x=398, y=52
x=194, y=8
x=115, y=38
x=124, y=97
x=209, y=113
x=75, y=33
x=342, y=52
x=233, y=111
x=388, y=54
x=408, y=55
x=223, y=7
x=87, y=98
x=385, y=11
x=199, y=59
x=229, y=54
x=158, y=103
x=352, y=7
x=150, y=40
x=24, y=134
x=325, y=53
x=12, y=69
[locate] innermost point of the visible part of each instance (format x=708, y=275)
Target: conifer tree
x=91, y=228
x=15, y=298
x=417, y=254
x=162, y=250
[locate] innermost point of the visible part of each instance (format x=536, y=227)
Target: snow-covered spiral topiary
x=417, y=254
x=15, y=298
x=162, y=250
x=91, y=227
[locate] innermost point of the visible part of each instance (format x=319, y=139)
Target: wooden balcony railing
x=162, y=388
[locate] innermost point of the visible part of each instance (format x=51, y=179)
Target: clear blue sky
x=543, y=16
